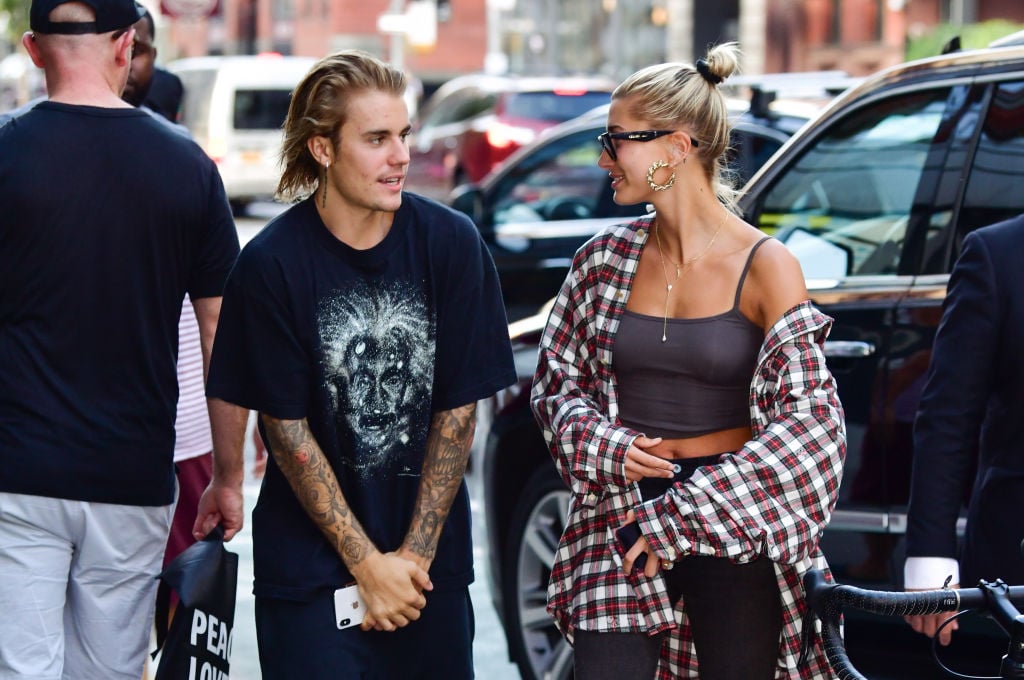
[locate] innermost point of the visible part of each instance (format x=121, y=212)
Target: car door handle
x=848, y=349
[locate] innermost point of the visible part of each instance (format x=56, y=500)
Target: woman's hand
x=640, y=463
x=639, y=548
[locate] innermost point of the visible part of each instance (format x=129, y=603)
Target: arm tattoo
x=314, y=483
x=451, y=433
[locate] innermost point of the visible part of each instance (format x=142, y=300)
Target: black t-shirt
x=107, y=219
x=365, y=345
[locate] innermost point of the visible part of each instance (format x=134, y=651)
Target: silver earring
x=655, y=166
x=323, y=201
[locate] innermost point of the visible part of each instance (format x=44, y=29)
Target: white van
x=234, y=107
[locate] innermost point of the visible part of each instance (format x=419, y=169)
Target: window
x=560, y=181
x=553, y=107
x=748, y=151
x=261, y=109
x=844, y=205
x=994, y=187
x=458, y=106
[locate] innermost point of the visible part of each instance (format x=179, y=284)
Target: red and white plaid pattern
x=772, y=498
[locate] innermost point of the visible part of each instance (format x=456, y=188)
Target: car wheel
x=537, y=647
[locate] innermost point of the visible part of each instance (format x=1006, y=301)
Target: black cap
x=111, y=15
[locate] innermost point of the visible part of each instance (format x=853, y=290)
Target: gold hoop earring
x=323, y=201
x=655, y=166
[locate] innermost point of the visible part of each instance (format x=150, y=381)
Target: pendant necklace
x=681, y=268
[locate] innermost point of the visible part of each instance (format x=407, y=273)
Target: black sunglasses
x=605, y=139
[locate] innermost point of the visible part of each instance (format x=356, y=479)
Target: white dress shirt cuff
x=926, y=573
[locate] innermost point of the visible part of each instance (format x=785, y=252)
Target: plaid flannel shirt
x=772, y=498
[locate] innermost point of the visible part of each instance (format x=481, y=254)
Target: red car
x=474, y=122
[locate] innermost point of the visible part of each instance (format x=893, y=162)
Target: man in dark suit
x=970, y=404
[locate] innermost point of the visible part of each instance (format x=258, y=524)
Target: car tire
x=537, y=523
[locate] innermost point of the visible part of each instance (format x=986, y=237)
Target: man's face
x=373, y=154
x=141, y=73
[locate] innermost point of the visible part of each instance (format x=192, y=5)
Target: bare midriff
x=723, y=441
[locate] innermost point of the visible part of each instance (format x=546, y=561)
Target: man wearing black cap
x=109, y=218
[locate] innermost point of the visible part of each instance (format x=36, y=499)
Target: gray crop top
x=696, y=382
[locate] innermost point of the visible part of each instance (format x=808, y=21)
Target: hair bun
x=705, y=72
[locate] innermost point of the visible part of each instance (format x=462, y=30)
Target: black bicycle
x=827, y=601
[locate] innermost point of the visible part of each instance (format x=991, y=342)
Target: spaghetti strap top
x=694, y=383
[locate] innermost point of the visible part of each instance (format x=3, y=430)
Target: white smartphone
x=349, y=608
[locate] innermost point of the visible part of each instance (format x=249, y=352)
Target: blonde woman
x=683, y=392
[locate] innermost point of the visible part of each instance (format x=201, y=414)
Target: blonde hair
x=674, y=94
x=318, y=108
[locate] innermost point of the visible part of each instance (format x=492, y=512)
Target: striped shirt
x=192, y=423
x=772, y=498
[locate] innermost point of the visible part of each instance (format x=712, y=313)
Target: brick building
x=317, y=27
x=613, y=37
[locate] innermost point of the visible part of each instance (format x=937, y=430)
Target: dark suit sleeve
x=960, y=380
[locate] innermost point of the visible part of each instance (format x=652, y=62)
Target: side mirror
x=469, y=199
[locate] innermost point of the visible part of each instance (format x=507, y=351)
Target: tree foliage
x=17, y=13
x=971, y=36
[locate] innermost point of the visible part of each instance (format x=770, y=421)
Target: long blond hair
x=318, y=108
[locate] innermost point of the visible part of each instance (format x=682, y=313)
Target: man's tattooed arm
x=311, y=477
x=451, y=433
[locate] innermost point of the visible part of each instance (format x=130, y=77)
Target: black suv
x=875, y=197
x=539, y=206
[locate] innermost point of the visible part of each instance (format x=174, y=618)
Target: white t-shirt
x=192, y=424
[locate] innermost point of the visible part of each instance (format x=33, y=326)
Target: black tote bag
x=197, y=644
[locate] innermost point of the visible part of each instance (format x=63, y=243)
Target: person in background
x=682, y=389
x=968, y=416
x=363, y=324
x=165, y=94
x=99, y=248
x=149, y=86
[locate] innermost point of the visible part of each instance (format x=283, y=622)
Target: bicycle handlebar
x=827, y=600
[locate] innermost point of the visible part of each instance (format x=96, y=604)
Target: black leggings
x=734, y=611
x=735, y=615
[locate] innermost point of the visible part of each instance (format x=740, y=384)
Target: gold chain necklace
x=680, y=267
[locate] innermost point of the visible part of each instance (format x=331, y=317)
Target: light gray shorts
x=77, y=587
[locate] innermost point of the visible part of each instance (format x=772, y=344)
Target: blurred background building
x=438, y=39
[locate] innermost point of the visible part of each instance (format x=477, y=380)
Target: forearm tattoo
x=314, y=483
x=451, y=433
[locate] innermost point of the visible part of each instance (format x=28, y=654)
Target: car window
x=261, y=109
x=748, y=151
x=560, y=181
x=993, y=191
x=459, y=106
x=846, y=201
x=555, y=107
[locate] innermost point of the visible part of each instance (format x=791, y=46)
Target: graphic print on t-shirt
x=378, y=359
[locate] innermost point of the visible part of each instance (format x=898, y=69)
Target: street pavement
x=489, y=647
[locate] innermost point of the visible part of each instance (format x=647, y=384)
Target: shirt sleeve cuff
x=661, y=535
x=927, y=573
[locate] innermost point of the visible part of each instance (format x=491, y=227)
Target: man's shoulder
x=438, y=218
x=1002, y=244
x=281, y=238
x=1010, y=231
x=176, y=128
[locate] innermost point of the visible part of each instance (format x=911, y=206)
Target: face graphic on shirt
x=378, y=360
x=377, y=381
